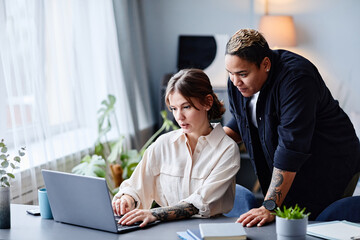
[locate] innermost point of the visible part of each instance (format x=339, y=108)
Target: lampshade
x=279, y=31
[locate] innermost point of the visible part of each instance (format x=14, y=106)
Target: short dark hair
x=250, y=45
x=194, y=83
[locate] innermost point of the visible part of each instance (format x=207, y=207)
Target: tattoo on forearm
x=276, y=181
x=179, y=211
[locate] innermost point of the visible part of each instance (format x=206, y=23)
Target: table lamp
x=279, y=30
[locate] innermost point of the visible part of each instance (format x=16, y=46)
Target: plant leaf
x=99, y=149
x=116, y=150
x=4, y=149
x=2, y=156
x=291, y=212
x=17, y=159
x=5, y=164
x=4, y=181
x=21, y=154
x=86, y=158
x=131, y=167
x=99, y=172
x=91, y=166
x=12, y=166
x=11, y=175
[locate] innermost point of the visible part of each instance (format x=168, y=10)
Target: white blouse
x=169, y=174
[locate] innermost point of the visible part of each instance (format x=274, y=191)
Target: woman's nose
x=236, y=80
x=179, y=115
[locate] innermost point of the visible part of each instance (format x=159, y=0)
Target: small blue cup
x=45, y=210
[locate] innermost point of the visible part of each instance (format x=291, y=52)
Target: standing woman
x=301, y=143
x=187, y=171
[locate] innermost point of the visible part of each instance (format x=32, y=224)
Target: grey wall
x=327, y=33
x=165, y=20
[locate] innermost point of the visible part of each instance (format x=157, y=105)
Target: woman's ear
x=266, y=63
x=209, y=101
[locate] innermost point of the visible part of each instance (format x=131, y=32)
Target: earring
x=267, y=70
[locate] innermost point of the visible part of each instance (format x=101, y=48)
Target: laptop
x=83, y=201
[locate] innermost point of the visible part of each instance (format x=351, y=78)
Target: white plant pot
x=5, y=208
x=294, y=229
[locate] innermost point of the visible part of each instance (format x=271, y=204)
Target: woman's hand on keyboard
x=137, y=215
x=123, y=205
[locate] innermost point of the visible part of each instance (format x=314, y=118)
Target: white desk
x=25, y=226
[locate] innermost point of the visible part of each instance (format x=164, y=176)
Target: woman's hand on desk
x=256, y=216
x=123, y=204
x=138, y=215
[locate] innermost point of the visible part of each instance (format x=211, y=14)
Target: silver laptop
x=82, y=200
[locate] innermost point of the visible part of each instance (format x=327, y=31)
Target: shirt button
x=259, y=118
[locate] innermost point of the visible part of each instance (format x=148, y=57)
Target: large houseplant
x=7, y=166
x=112, y=159
x=291, y=223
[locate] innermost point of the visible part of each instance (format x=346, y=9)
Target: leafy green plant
x=291, y=213
x=8, y=165
x=115, y=152
x=91, y=166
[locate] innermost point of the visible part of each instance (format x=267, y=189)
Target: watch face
x=269, y=204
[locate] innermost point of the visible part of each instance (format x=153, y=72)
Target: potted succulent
x=7, y=166
x=291, y=223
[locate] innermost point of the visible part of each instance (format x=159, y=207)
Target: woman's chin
x=186, y=130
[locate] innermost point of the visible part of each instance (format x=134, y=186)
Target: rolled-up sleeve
x=141, y=185
x=233, y=125
x=282, y=155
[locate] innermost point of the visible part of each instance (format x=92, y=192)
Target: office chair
x=342, y=209
x=244, y=201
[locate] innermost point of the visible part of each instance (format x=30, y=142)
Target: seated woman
x=187, y=171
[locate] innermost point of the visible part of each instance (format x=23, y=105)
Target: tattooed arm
x=178, y=211
x=279, y=187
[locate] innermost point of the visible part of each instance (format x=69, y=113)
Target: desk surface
x=25, y=226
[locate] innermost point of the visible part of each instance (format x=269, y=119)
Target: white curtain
x=131, y=46
x=58, y=60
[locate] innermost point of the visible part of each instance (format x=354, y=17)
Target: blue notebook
x=184, y=236
x=190, y=234
x=194, y=233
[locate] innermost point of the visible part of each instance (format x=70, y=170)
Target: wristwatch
x=270, y=204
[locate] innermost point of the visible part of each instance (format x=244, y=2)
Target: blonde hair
x=249, y=45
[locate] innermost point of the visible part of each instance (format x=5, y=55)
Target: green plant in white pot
x=7, y=166
x=291, y=223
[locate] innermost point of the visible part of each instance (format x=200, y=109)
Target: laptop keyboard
x=126, y=228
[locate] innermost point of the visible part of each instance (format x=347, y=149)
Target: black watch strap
x=270, y=204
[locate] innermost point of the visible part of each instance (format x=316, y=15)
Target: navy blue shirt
x=301, y=128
